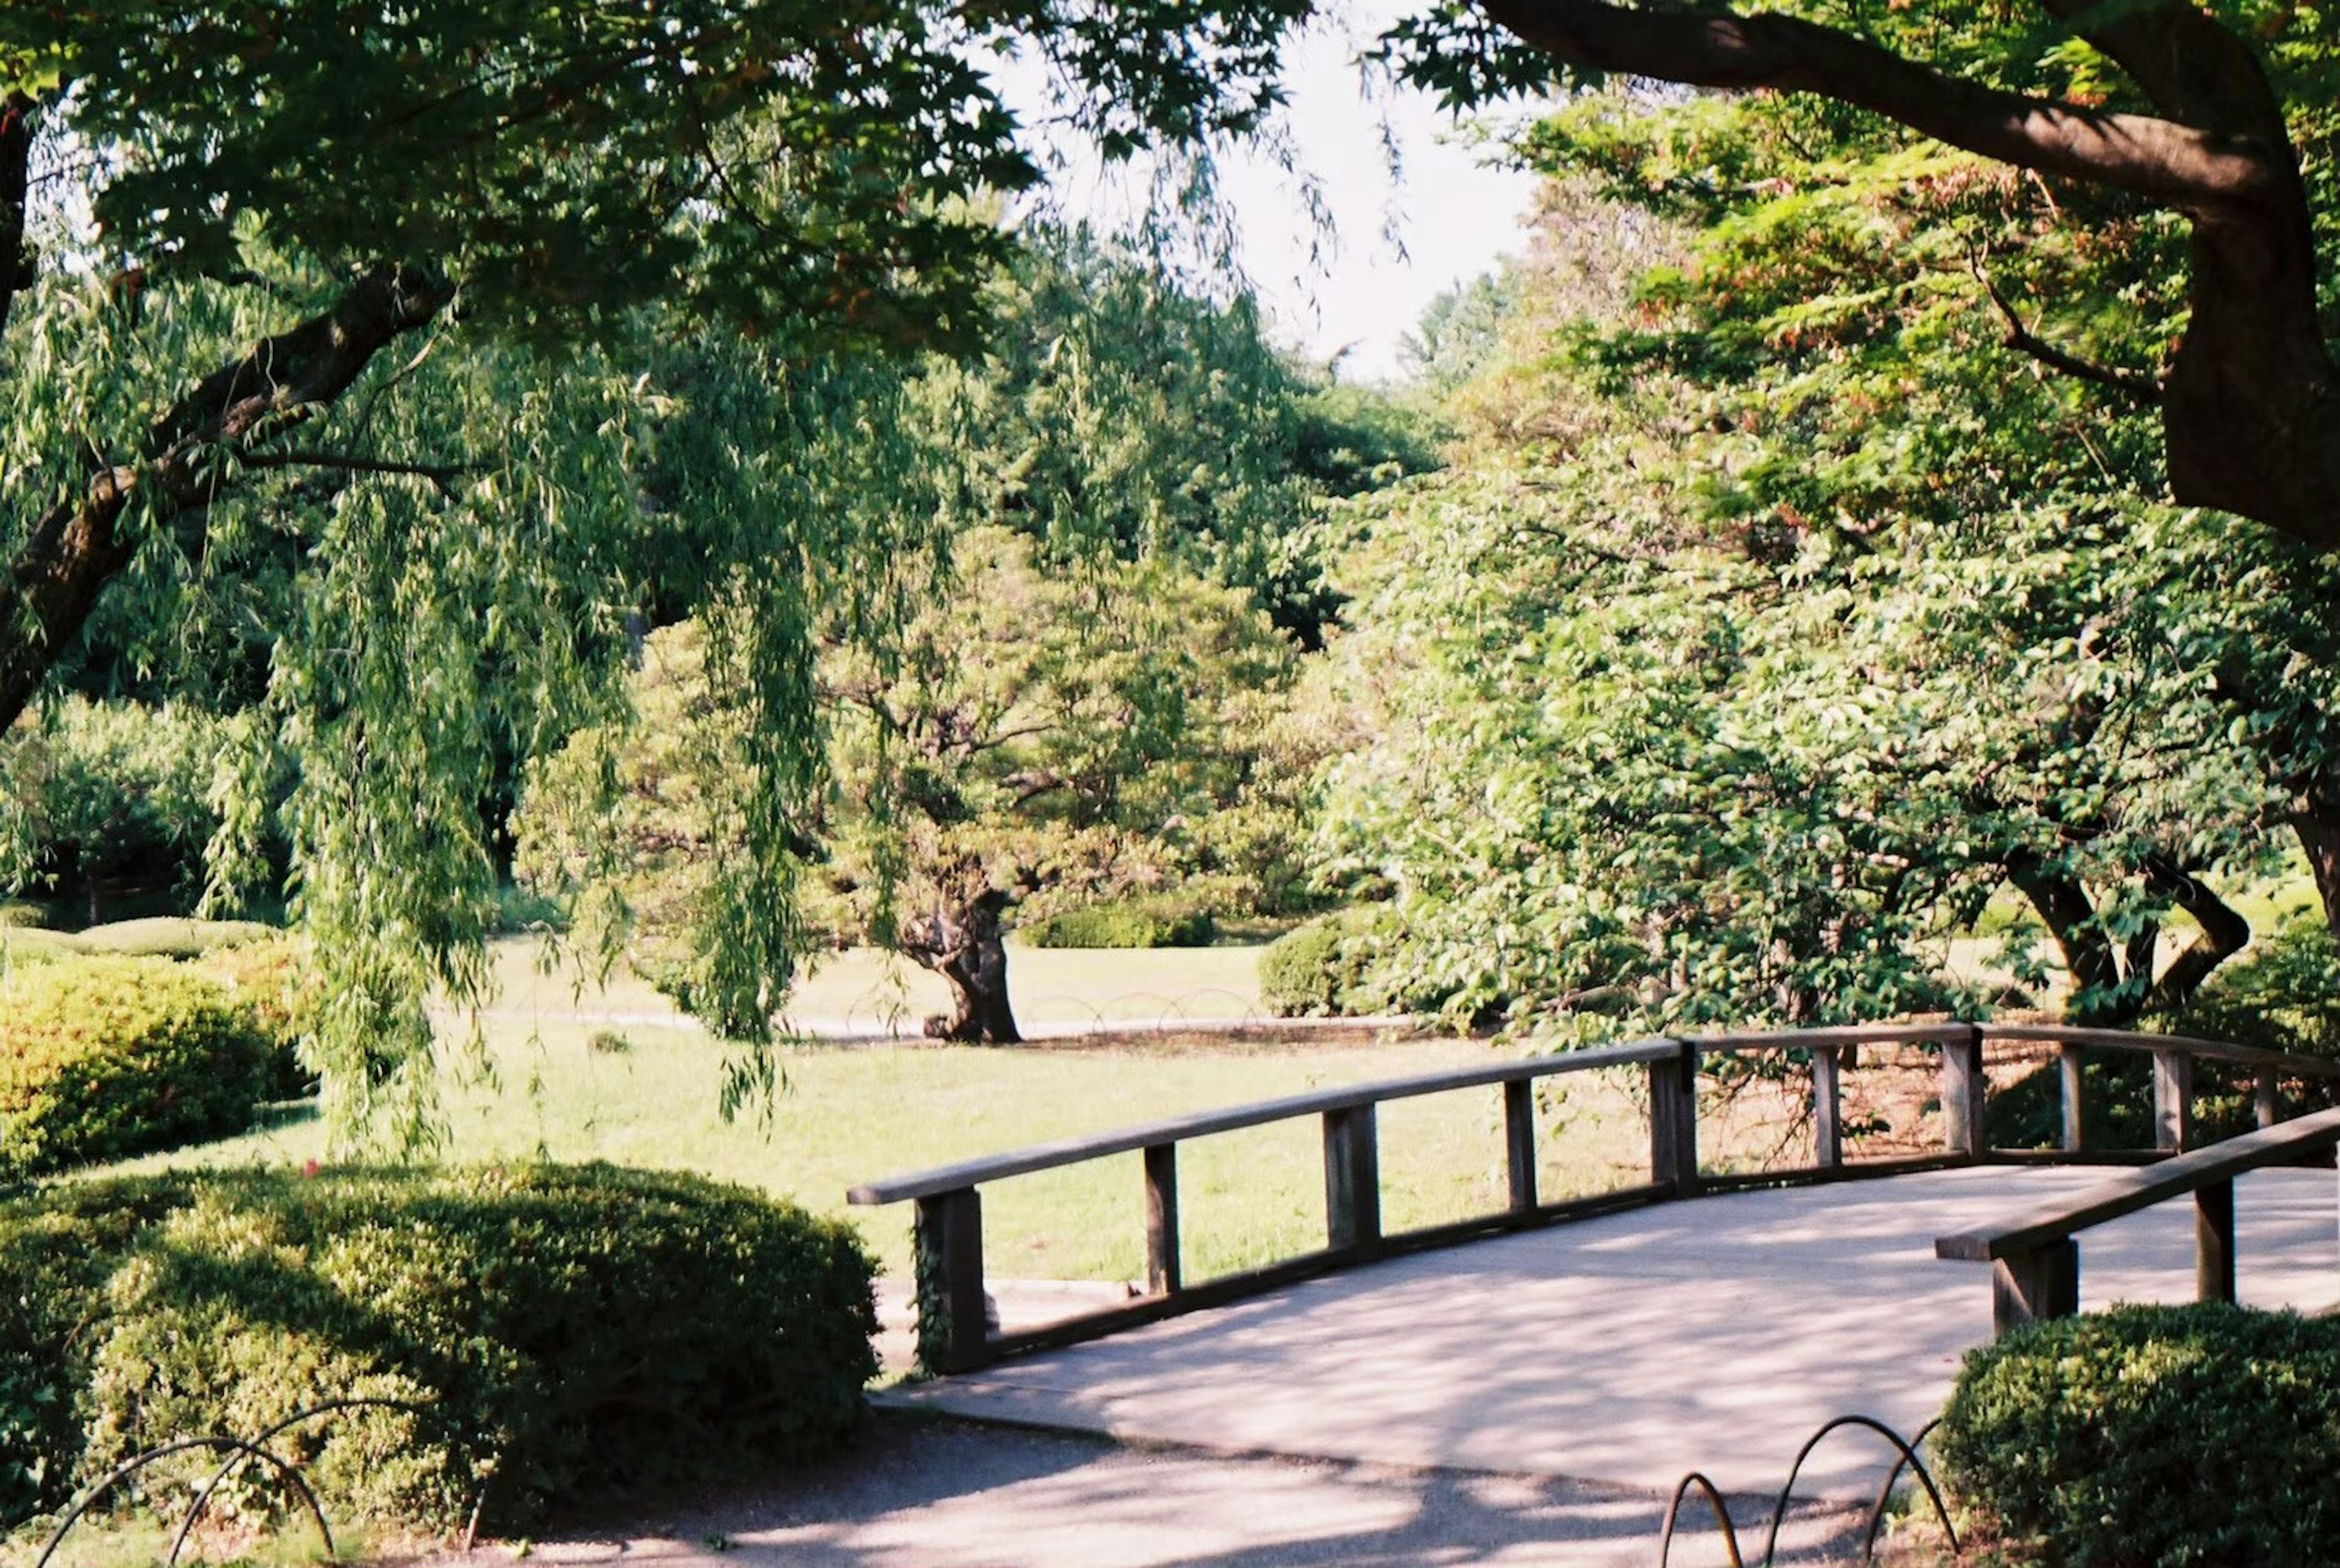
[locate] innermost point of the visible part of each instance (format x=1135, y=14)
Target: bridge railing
x=2036, y=1256
x=955, y=1336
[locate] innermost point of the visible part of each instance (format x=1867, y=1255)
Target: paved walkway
x=1714, y=1335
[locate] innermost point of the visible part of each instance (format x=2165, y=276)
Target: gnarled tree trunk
x=963, y=944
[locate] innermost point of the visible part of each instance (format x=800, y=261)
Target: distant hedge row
x=559, y=1331
x=1161, y=920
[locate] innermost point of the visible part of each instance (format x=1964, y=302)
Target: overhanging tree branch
x=2164, y=160
x=2250, y=405
x=79, y=546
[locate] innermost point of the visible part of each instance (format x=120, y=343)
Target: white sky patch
x=1398, y=236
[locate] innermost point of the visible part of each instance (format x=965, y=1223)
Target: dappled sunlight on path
x=1714, y=1335
x=923, y=1495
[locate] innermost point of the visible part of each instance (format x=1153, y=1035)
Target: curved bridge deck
x=1631, y=1347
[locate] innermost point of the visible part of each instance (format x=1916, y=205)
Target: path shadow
x=922, y=1493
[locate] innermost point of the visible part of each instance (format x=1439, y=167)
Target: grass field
x=852, y=1113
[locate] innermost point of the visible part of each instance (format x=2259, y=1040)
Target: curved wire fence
x=240, y=1452
x=1905, y=1457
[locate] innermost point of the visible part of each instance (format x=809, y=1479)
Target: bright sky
x=1397, y=239
x=1452, y=214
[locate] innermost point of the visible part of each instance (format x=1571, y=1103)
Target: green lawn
x=852, y=1113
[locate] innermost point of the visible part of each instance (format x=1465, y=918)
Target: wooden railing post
x=1164, y=1272
x=2071, y=1067
x=1673, y=1121
x=2266, y=1098
x=1827, y=1108
x=953, y=1332
x=1963, y=1085
x=1520, y=1142
x=2213, y=1241
x=1353, y=1180
x=2173, y=1100
x=2032, y=1285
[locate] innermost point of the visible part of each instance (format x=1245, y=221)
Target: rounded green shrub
x=1300, y=975
x=1156, y=922
x=2203, y=1437
x=1326, y=969
x=172, y=937
x=100, y=1057
x=560, y=1330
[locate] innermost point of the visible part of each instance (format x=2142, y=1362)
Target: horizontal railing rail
x=955, y=1333
x=2036, y=1256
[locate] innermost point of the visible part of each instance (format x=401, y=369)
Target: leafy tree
x=1031, y=733
x=1755, y=648
x=2212, y=124
x=357, y=335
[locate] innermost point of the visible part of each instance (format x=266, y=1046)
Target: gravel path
x=922, y=1493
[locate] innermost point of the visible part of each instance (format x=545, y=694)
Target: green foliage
x=421, y=570
x=99, y=796
x=1158, y=920
x=1030, y=731
x=565, y=1331
x=2184, y=1437
x=100, y=1057
x=2283, y=993
x=1770, y=622
x=1334, y=967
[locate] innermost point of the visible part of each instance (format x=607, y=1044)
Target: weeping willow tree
x=382, y=372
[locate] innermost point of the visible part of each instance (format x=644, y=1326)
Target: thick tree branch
x=2161, y=160
x=2223, y=933
x=441, y=475
x=2250, y=407
x=79, y=546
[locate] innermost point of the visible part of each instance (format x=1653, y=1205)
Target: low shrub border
x=565, y=1330
x=2203, y=1437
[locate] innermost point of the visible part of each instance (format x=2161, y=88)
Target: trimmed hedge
x=565, y=1330
x=1160, y=922
x=102, y=1058
x=2175, y=1437
x=1325, y=970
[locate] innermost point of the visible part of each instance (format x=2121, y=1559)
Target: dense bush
x=2156, y=1437
x=100, y=1057
x=101, y=798
x=564, y=1329
x=1162, y=920
x=1328, y=968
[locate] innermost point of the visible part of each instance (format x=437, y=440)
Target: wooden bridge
x=1695, y=1319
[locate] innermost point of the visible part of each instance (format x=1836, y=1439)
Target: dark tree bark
x=2315, y=819
x=2251, y=402
x=15, y=186
x=190, y=457
x=2070, y=915
x=963, y=944
x=2223, y=933
x=2115, y=985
